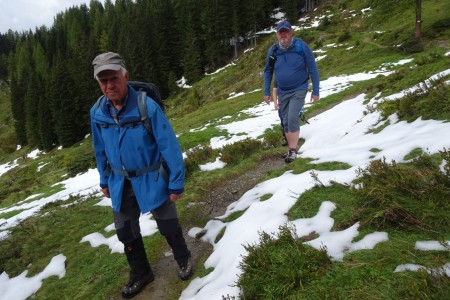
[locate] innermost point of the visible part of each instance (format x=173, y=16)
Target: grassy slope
x=94, y=273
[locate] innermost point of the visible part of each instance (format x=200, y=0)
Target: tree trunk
x=418, y=31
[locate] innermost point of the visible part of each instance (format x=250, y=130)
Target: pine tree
x=17, y=109
x=193, y=70
x=50, y=71
x=289, y=7
x=216, y=33
x=63, y=106
x=21, y=70
x=31, y=101
x=47, y=135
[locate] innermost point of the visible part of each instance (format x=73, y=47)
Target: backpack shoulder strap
x=142, y=106
x=299, y=47
x=273, y=56
x=98, y=102
x=274, y=48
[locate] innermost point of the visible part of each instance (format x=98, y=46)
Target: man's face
x=113, y=84
x=285, y=37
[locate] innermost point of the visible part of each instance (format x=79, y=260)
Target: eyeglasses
x=283, y=30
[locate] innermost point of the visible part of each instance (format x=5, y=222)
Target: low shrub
x=195, y=157
x=344, y=37
x=441, y=25
x=430, y=101
x=407, y=196
x=79, y=164
x=273, y=138
x=277, y=268
x=234, y=153
x=412, y=46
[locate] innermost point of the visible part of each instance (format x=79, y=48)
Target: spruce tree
x=31, y=101
x=63, y=106
x=193, y=70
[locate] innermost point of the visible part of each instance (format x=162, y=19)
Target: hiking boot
x=287, y=154
x=185, y=270
x=140, y=274
x=134, y=286
x=291, y=156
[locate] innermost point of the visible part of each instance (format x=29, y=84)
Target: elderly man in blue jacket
x=293, y=63
x=129, y=162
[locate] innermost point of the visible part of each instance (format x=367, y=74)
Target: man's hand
x=105, y=192
x=314, y=98
x=267, y=99
x=175, y=197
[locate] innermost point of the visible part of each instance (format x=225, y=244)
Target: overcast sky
x=22, y=15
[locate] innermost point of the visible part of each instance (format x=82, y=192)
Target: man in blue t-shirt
x=293, y=63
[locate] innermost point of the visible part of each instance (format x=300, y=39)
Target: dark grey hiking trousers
x=127, y=220
x=128, y=229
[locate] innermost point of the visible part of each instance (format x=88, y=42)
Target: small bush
x=429, y=101
x=324, y=24
x=273, y=138
x=11, y=256
x=79, y=164
x=234, y=153
x=403, y=195
x=429, y=58
x=195, y=157
x=412, y=46
x=441, y=25
x=279, y=267
x=344, y=37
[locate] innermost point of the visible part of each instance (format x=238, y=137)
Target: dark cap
x=107, y=61
x=284, y=25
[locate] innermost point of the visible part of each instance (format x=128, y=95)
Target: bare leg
x=292, y=138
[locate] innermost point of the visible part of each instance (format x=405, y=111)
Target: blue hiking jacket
x=292, y=70
x=133, y=148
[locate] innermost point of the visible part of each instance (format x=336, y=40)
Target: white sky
x=22, y=15
x=339, y=134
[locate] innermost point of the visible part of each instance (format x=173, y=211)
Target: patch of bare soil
x=167, y=285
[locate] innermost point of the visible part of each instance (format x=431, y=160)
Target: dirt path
x=167, y=285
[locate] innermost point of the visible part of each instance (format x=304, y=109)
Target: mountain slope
x=96, y=273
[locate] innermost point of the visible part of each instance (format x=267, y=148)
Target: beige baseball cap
x=107, y=61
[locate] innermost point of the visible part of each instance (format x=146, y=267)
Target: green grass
x=36, y=240
x=367, y=274
x=95, y=273
x=310, y=201
x=21, y=182
x=235, y=215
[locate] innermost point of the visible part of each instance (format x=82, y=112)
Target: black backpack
x=150, y=89
x=144, y=89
